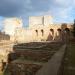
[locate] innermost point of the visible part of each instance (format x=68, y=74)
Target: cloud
x=13, y=7
x=19, y=7
x=1, y=23
x=62, y=3
x=61, y=10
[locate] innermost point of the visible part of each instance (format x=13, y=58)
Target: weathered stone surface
x=53, y=65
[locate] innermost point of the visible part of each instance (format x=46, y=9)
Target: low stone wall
x=53, y=65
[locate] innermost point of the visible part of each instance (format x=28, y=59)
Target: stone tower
x=40, y=20
x=10, y=26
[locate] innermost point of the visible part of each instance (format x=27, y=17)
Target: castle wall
x=40, y=20
x=23, y=35
x=41, y=29
x=10, y=24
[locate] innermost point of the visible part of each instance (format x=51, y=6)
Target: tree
x=74, y=29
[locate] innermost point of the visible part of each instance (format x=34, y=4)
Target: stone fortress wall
x=41, y=28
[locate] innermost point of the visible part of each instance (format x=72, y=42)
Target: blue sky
x=61, y=10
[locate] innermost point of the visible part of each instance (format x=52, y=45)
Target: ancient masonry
x=41, y=28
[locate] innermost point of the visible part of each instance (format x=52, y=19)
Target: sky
x=60, y=10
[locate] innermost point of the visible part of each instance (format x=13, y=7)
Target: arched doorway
x=36, y=32
x=42, y=32
x=50, y=36
x=52, y=32
x=59, y=31
x=67, y=30
x=59, y=35
x=67, y=34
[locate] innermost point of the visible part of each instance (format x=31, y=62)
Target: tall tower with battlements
x=40, y=20
x=11, y=24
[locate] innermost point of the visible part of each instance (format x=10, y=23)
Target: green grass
x=69, y=63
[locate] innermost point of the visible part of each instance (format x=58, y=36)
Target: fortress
x=21, y=56
x=41, y=28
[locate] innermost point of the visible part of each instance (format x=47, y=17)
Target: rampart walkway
x=53, y=65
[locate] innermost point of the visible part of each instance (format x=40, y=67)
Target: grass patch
x=69, y=62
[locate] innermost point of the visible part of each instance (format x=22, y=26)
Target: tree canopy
x=74, y=28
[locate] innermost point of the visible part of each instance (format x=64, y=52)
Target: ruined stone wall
x=40, y=20
x=41, y=29
x=23, y=35
x=10, y=24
